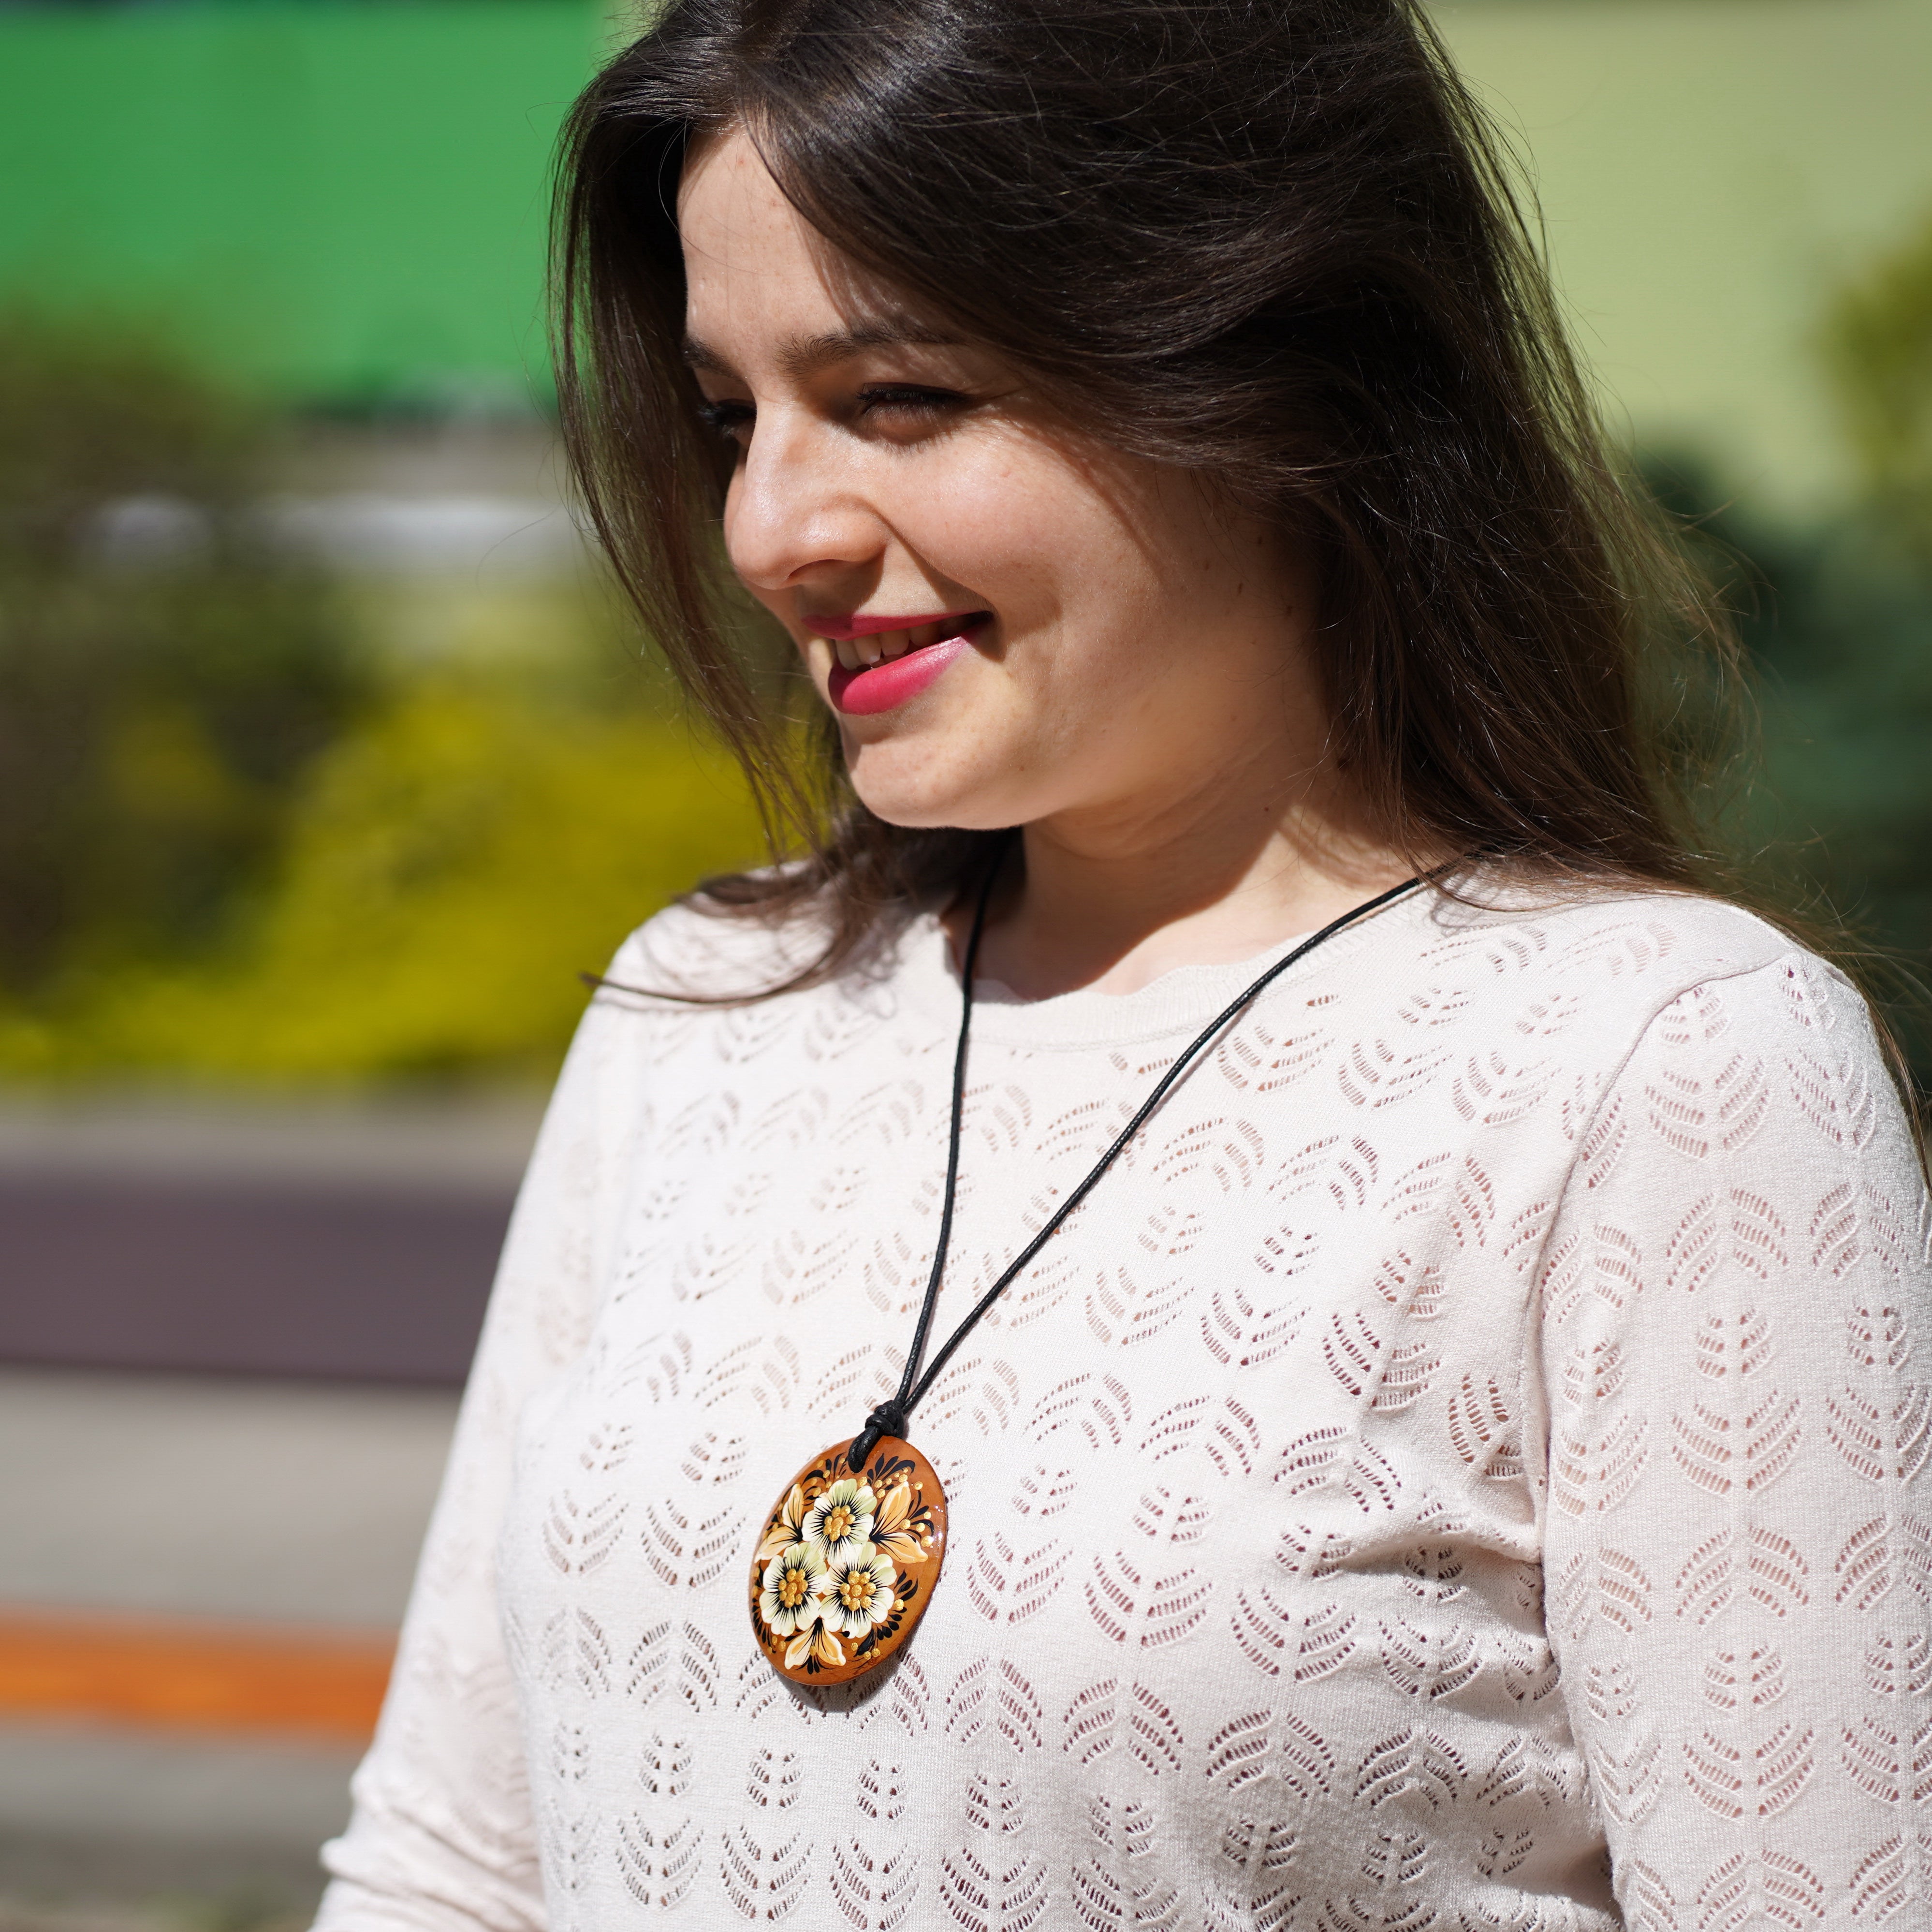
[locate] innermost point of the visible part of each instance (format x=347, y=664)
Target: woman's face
x=1013, y=625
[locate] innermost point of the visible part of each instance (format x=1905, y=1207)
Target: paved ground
x=193, y=1498
x=214, y=1498
x=467, y=1144
x=245, y=1277
x=127, y=1818
x=274, y=1502
x=336, y=1242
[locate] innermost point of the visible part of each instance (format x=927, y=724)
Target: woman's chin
x=960, y=818
x=917, y=803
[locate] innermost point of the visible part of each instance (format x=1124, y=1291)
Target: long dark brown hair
x=1276, y=242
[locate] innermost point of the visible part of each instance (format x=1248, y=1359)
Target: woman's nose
x=792, y=510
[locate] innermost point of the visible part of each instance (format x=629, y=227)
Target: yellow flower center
x=855, y=1592
x=791, y=1588
x=837, y=1523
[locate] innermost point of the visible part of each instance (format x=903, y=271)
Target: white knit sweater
x=1464, y=1469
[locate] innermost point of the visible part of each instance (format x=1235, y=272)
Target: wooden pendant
x=846, y=1564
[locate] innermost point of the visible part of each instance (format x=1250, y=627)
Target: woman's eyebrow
x=806, y=355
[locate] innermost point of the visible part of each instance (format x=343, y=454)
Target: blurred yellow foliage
x=452, y=863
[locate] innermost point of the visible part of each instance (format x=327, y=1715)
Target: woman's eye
x=907, y=402
x=732, y=421
x=891, y=405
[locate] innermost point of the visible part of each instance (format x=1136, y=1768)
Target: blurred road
x=330, y=1264
x=329, y=1241
x=181, y=1496
x=118, y=1272
x=167, y=1502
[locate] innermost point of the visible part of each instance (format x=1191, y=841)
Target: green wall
x=342, y=200
x=331, y=200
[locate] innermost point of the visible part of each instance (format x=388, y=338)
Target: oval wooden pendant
x=845, y=1564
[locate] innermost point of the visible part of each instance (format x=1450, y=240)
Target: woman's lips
x=921, y=649
x=884, y=687
x=852, y=626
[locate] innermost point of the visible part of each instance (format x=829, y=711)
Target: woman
x=1461, y=1464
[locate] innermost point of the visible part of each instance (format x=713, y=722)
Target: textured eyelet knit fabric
x=1463, y=1469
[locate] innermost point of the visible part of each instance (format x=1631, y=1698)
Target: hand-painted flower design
x=857, y=1591
x=794, y=1579
x=819, y=1644
x=789, y=1528
x=893, y=1533
x=840, y=1521
x=846, y=1563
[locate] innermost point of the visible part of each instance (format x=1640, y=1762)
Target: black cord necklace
x=846, y=1562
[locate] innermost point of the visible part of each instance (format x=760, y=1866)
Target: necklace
x=847, y=1560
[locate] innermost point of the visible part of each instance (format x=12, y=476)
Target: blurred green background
x=325, y=757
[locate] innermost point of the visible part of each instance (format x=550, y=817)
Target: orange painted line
x=310, y=1683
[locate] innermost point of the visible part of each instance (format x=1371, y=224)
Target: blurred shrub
x=1839, y=625
x=452, y=863
x=241, y=839
x=1877, y=341
x=1837, y=615
x=162, y=682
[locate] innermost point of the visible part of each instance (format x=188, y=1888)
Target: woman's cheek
x=999, y=524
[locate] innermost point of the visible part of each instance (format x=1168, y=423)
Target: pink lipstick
x=899, y=657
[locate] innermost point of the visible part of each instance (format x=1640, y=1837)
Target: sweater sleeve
x=441, y=1835
x=1736, y=1352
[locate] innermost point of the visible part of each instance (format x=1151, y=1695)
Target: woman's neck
x=1112, y=901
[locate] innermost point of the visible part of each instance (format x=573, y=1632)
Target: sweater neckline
x=1183, y=999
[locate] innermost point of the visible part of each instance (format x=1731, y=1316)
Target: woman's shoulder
x=1620, y=957
x=1637, y=948
x=1700, y=1051
x=689, y=953
x=695, y=958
